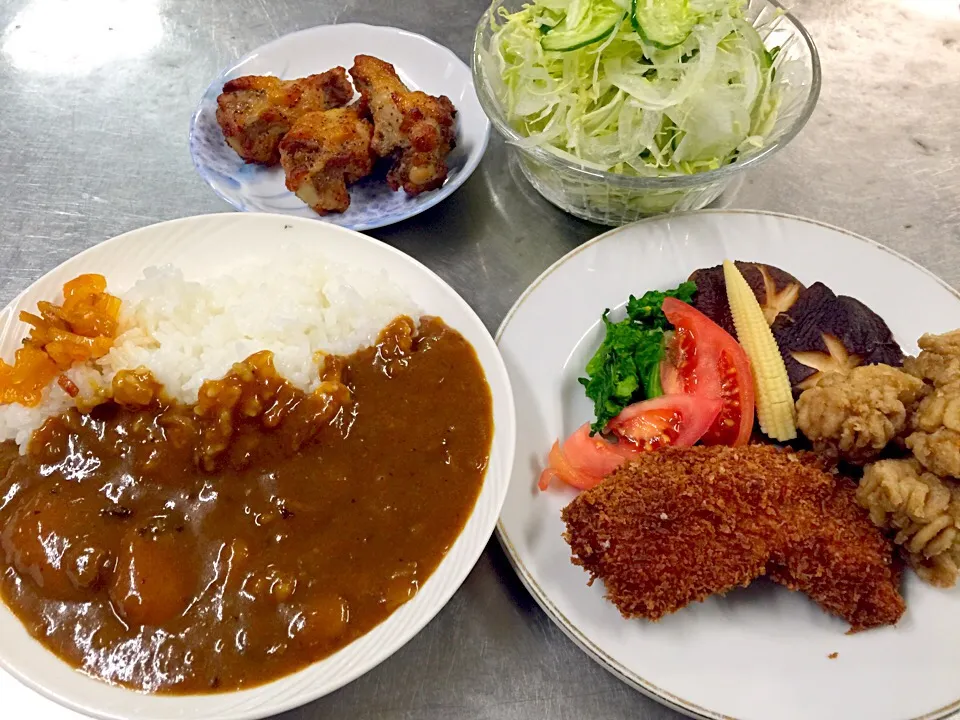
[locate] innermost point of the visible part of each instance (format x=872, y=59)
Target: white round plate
x=203, y=246
x=422, y=65
x=760, y=653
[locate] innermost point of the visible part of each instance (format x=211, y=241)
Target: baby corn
x=775, y=408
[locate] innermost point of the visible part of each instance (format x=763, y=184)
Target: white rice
x=299, y=306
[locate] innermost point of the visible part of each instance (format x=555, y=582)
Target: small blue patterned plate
x=421, y=63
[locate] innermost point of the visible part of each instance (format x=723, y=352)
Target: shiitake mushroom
x=818, y=332
x=825, y=333
x=776, y=291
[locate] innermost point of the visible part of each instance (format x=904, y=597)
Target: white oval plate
x=759, y=653
x=203, y=246
x=422, y=65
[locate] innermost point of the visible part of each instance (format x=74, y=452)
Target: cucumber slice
x=663, y=23
x=598, y=22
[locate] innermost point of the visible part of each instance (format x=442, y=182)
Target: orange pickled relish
x=24, y=381
x=81, y=329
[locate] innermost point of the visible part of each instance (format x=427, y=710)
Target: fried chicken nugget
x=853, y=416
x=414, y=128
x=935, y=440
x=924, y=512
x=939, y=359
x=323, y=153
x=680, y=524
x=256, y=111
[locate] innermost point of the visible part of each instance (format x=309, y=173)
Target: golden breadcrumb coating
x=923, y=510
x=939, y=359
x=414, y=128
x=853, y=416
x=680, y=524
x=323, y=153
x=837, y=557
x=256, y=111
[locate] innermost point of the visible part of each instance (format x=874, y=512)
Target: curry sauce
x=218, y=546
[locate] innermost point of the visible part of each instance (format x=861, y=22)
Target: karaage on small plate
x=325, y=152
x=256, y=111
x=438, y=141
x=414, y=129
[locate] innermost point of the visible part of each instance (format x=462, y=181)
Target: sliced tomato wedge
x=583, y=461
x=704, y=360
x=669, y=420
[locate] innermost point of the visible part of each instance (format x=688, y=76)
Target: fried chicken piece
x=414, y=128
x=939, y=409
x=923, y=510
x=939, y=451
x=323, y=153
x=935, y=441
x=853, y=416
x=680, y=524
x=256, y=111
x=939, y=359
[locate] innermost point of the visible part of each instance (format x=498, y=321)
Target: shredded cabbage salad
x=614, y=99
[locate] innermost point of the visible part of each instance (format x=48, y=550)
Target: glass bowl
x=615, y=199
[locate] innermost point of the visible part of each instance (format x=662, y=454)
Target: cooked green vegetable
x=626, y=367
x=647, y=308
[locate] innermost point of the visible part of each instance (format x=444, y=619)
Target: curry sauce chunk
x=221, y=545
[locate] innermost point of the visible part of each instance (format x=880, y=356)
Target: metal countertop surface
x=95, y=101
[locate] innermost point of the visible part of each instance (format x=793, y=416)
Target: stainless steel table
x=95, y=100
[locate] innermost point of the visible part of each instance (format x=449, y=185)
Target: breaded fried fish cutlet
x=678, y=525
x=256, y=111
x=323, y=153
x=834, y=555
x=415, y=129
